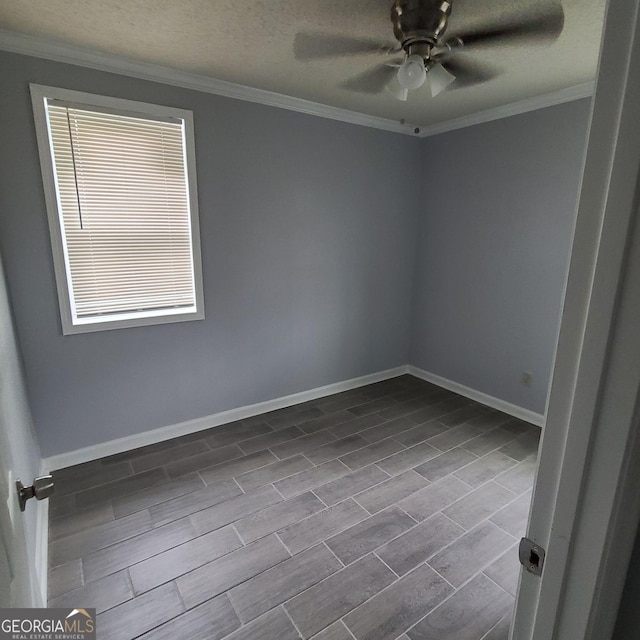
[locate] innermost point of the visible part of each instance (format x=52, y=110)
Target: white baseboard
x=153, y=436
x=483, y=398
x=127, y=443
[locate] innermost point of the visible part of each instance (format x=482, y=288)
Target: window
x=120, y=189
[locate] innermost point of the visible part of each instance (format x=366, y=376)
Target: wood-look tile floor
x=391, y=511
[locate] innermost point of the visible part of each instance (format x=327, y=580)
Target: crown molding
x=576, y=92
x=38, y=47
x=49, y=49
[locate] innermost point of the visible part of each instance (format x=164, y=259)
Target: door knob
x=41, y=488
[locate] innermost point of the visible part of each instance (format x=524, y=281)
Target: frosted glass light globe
x=412, y=74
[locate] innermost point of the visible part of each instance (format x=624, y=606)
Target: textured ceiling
x=250, y=42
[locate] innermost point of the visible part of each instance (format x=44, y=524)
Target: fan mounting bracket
x=419, y=23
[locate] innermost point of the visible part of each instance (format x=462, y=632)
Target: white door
x=15, y=578
x=20, y=582
x=586, y=502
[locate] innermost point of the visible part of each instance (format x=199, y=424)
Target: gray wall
x=19, y=456
x=497, y=214
x=315, y=271
x=307, y=257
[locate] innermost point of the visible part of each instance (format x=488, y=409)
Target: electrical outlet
x=526, y=378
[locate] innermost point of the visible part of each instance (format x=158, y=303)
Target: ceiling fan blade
x=539, y=26
x=372, y=80
x=312, y=46
x=468, y=72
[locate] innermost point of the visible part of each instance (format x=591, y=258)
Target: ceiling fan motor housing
x=418, y=24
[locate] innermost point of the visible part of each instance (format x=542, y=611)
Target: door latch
x=41, y=488
x=531, y=556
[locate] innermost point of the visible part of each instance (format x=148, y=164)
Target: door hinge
x=531, y=556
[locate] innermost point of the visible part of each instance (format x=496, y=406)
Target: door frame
x=586, y=502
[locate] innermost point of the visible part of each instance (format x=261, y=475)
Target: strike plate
x=531, y=556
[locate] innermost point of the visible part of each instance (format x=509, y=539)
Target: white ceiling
x=250, y=42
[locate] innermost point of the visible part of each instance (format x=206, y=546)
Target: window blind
x=124, y=211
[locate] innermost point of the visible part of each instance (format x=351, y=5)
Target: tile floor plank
x=330, y=419
x=128, y=552
x=242, y=531
x=125, y=505
x=181, y=559
x=337, y=595
x=397, y=608
x=230, y=570
x=65, y=577
x=312, y=478
x=387, y=429
x=523, y=446
x=167, y=455
x=135, y=617
x=459, y=561
x=322, y=525
x=479, y=504
x=227, y=470
x=390, y=491
x=424, y=503
x=373, y=406
x=124, y=486
x=454, y=437
x=519, y=478
x=501, y=630
x=485, y=468
x=77, y=521
x=274, y=625
x=356, y=425
x=203, y=460
x=273, y=472
x=212, y=620
x=297, y=418
x=420, y=543
x=236, y=432
x=234, y=509
x=408, y=458
x=371, y=453
x=444, y=464
x=513, y=517
x=185, y=505
x=284, y=581
x=103, y=535
x=337, y=448
x=464, y=414
x=302, y=444
x=259, y=443
x=336, y=631
x=467, y=614
x=350, y=484
x=103, y=594
x=362, y=538
x=420, y=433
x=505, y=571
x=488, y=441
x=277, y=517
x=86, y=476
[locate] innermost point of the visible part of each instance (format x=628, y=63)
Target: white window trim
x=39, y=94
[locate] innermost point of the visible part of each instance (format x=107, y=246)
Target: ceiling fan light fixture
x=398, y=92
x=412, y=74
x=439, y=79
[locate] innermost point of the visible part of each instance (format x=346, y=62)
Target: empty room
x=282, y=297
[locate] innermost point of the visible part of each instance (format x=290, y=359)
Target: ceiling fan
x=422, y=53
